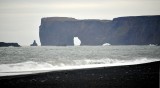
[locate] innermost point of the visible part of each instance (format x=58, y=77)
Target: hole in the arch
x=76, y=41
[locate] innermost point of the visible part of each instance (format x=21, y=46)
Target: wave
x=30, y=67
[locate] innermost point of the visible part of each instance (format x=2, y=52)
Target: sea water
x=16, y=60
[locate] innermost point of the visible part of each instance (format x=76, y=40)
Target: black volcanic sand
x=129, y=76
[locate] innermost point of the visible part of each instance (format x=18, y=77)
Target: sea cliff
x=133, y=30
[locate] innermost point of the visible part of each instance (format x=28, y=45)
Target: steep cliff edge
x=138, y=30
x=141, y=30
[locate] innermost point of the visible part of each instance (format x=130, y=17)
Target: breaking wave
x=30, y=67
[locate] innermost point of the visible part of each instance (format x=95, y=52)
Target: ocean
x=15, y=60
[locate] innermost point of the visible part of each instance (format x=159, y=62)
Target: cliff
x=3, y=44
x=142, y=30
x=135, y=30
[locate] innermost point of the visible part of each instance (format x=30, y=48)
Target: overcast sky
x=20, y=19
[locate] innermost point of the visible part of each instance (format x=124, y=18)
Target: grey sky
x=20, y=19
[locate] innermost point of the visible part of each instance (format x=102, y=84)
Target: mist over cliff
x=134, y=30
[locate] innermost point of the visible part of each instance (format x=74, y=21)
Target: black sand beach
x=129, y=76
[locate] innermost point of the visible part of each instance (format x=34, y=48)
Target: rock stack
x=34, y=43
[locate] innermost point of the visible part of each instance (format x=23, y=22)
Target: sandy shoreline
x=129, y=76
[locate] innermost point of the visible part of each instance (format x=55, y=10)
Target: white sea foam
x=106, y=44
x=31, y=67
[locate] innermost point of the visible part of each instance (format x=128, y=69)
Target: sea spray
x=36, y=67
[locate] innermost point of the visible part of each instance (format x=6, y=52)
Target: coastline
x=144, y=75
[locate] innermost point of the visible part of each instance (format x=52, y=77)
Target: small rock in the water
x=34, y=43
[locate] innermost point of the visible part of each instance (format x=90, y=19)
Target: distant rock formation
x=3, y=44
x=34, y=43
x=134, y=30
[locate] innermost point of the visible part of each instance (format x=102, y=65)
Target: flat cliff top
x=102, y=20
x=58, y=19
x=139, y=17
x=62, y=19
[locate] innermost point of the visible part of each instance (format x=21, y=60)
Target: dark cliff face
x=90, y=32
x=142, y=30
x=60, y=31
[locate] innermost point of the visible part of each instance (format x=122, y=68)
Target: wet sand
x=129, y=76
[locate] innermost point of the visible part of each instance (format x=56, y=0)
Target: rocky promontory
x=133, y=30
x=3, y=44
